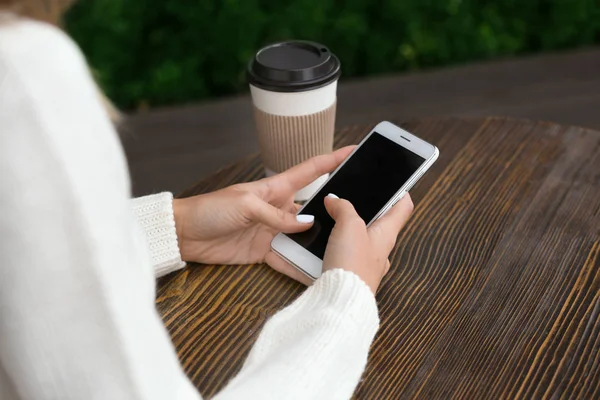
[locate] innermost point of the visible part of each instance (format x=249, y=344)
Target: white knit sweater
x=77, y=315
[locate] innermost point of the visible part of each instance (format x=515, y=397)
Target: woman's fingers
x=302, y=174
x=282, y=266
x=293, y=207
x=276, y=218
x=349, y=246
x=384, y=231
x=342, y=211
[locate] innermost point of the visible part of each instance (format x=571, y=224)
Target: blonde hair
x=51, y=11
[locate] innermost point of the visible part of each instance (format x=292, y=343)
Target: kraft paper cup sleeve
x=286, y=141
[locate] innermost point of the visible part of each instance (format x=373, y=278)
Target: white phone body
x=311, y=265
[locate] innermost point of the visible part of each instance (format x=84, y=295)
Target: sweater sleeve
x=154, y=213
x=316, y=348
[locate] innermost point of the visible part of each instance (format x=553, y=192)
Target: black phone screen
x=369, y=179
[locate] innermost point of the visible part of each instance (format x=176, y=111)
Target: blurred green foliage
x=156, y=52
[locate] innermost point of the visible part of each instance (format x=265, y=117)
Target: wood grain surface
x=494, y=289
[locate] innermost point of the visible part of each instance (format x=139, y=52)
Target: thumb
x=342, y=211
x=278, y=219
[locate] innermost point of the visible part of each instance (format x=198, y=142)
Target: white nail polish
x=305, y=218
x=333, y=196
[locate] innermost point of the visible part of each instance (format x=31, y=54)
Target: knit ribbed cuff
x=346, y=293
x=155, y=215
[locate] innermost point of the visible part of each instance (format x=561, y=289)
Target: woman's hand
x=235, y=225
x=364, y=251
x=355, y=248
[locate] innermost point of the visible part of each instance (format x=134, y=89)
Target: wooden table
x=494, y=290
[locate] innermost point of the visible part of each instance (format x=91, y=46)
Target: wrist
x=370, y=281
x=178, y=211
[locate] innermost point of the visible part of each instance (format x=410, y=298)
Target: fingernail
x=333, y=196
x=305, y=218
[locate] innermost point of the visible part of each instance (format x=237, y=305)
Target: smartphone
x=378, y=173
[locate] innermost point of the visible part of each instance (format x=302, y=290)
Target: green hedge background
x=162, y=52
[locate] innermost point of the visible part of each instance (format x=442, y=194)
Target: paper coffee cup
x=293, y=87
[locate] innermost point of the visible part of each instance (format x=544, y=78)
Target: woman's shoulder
x=51, y=106
x=26, y=45
x=26, y=30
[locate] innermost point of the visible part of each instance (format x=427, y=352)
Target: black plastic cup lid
x=294, y=66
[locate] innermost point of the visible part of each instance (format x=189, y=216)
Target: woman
x=78, y=258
